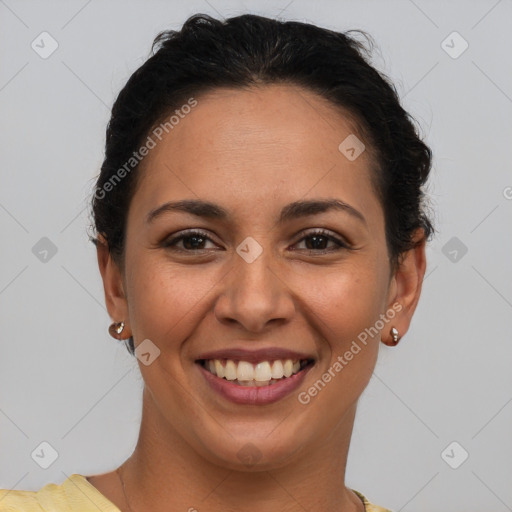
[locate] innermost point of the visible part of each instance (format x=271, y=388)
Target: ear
x=405, y=286
x=115, y=297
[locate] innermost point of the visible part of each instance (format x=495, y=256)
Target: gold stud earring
x=116, y=329
x=394, y=334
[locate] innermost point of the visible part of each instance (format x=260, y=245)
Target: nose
x=254, y=295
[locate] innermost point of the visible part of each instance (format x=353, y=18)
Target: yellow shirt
x=76, y=494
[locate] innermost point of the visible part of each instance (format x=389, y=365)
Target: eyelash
x=171, y=243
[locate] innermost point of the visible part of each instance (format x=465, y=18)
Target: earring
x=116, y=329
x=394, y=334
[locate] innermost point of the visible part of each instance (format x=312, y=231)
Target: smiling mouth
x=264, y=373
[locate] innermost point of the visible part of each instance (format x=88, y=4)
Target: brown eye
x=319, y=239
x=192, y=241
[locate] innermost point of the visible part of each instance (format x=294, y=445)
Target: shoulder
x=370, y=507
x=18, y=501
x=75, y=494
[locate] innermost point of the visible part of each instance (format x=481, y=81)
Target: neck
x=165, y=473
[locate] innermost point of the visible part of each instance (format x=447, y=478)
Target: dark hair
x=247, y=51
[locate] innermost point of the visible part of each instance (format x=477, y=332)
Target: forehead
x=252, y=145
x=279, y=119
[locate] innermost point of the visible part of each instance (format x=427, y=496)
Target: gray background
x=63, y=380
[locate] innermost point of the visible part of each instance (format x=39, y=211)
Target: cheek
x=345, y=300
x=343, y=307
x=166, y=301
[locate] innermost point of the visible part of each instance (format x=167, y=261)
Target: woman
x=260, y=230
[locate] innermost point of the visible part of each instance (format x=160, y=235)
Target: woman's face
x=255, y=284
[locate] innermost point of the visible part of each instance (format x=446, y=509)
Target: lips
x=254, y=377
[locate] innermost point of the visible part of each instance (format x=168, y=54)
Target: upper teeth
x=245, y=371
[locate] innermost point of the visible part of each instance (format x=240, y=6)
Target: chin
x=252, y=454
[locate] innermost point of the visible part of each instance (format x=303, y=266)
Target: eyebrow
x=297, y=209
